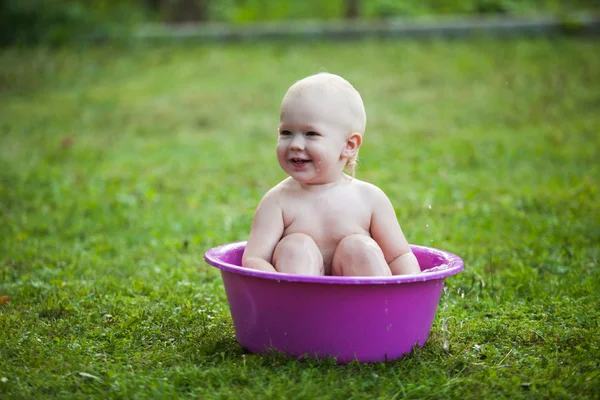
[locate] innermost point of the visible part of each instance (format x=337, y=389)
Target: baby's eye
x=311, y=133
x=285, y=133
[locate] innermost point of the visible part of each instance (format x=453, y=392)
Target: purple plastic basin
x=367, y=319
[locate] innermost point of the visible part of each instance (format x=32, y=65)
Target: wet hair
x=351, y=99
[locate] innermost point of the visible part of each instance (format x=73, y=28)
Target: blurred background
x=60, y=21
x=123, y=161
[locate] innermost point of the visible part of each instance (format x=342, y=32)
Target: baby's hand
x=406, y=264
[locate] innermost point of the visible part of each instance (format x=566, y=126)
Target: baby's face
x=312, y=136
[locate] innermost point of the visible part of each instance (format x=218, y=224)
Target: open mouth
x=299, y=161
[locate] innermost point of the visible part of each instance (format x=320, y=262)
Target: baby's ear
x=352, y=145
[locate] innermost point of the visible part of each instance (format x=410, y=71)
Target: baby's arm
x=386, y=231
x=267, y=229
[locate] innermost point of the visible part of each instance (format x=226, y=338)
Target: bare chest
x=327, y=220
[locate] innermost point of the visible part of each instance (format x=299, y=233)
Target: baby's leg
x=298, y=254
x=359, y=255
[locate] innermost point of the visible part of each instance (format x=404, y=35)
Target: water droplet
x=445, y=342
x=427, y=225
x=429, y=206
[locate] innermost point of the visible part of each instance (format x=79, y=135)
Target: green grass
x=120, y=167
x=241, y=11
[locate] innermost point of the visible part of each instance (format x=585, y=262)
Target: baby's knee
x=298, y=253
x=295, y=244
x=358, y=248
x=359, y=255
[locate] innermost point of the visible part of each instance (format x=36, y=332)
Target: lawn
x=121, y=165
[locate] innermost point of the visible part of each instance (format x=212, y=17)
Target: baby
x=320, y=221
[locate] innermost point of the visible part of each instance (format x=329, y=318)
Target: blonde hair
x=352, y=100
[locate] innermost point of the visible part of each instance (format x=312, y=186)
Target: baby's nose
x=297, y=143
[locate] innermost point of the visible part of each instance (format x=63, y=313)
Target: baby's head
x=335, y=106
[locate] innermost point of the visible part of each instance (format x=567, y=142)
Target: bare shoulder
x=287, y=185
x=370, y=192
x=275, y=194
